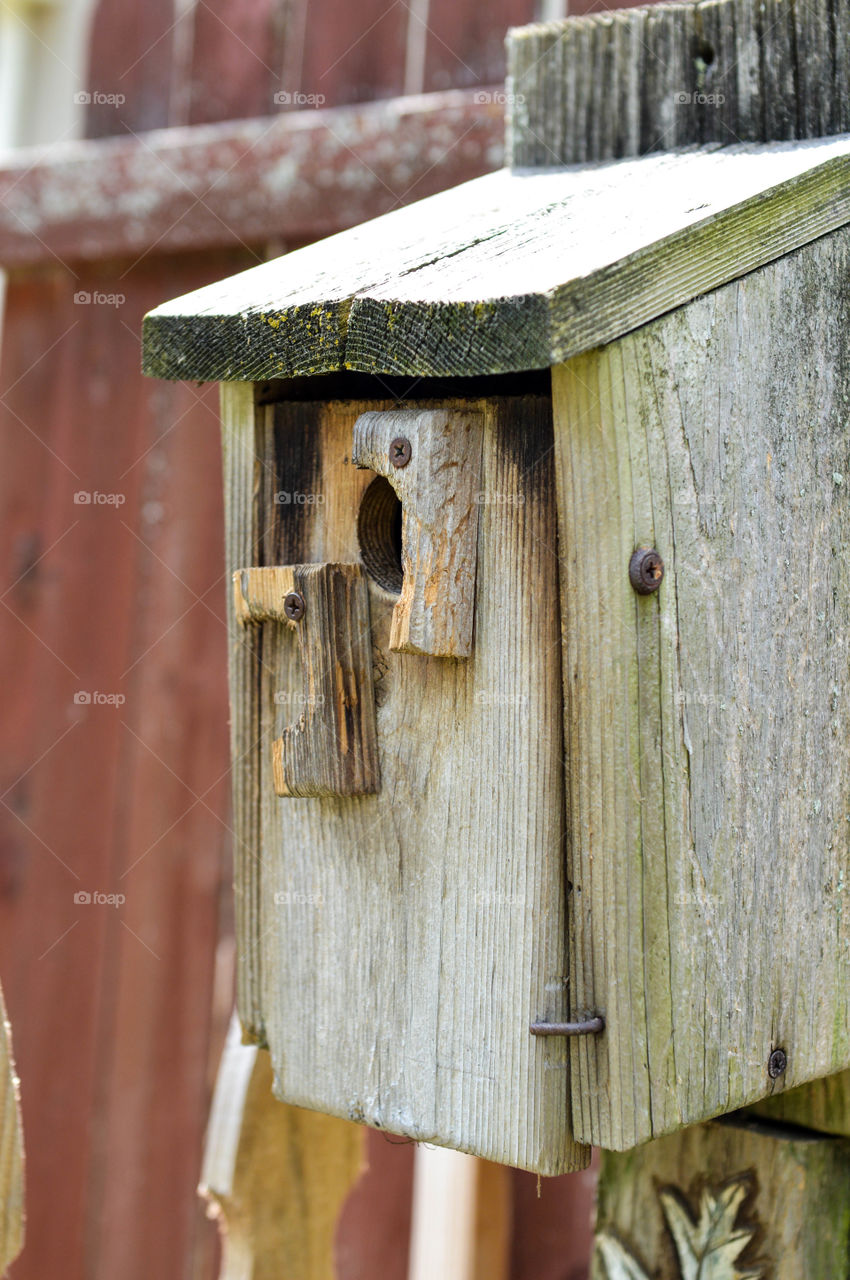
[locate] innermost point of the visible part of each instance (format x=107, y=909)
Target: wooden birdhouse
x=538, y=506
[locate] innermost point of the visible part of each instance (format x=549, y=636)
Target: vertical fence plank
x=130, y=67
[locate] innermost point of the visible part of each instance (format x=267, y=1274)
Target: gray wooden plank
x=719, y=70
x=707, y=724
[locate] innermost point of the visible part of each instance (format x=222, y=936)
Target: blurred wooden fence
x=114, y=752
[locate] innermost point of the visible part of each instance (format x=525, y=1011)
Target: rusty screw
x=776, y=1063
x=294, y=606
x=400, y=452
x=646, y=569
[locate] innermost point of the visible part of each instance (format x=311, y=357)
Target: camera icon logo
x=82, y=98
x=82, y=298
x=82, y=499
x=82, y=898
x=82, y=698
x=283, y=98
x=283, y=498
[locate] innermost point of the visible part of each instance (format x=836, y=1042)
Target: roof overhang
x=517, y=270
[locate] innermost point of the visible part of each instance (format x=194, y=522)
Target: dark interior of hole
x=705, y=53
x=379, y=534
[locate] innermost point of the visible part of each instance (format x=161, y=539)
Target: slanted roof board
x=512, y=271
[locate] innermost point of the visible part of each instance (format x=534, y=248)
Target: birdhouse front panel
x=398, y=749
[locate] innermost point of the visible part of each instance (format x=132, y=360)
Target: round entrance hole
x=379, y=533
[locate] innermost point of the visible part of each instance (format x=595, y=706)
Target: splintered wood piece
x=332, y=750
x=11, y=1151
x=724, y=1202
x=708, y=723
x=432, y=459
x=274, y=1176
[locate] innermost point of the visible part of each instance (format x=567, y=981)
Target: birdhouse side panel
x=708, y=722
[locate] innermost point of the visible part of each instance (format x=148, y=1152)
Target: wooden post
x=726, y=1203
x=766, y=1198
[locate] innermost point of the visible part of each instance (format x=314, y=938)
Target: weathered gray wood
x=398, y=949
x=439, y=491
x=243, y=522
x=274, y=1176
x=722, y=1203
x=510, y=272
x=707, y=725
x=608, y=85
x=822, y=1105
x=331, y=749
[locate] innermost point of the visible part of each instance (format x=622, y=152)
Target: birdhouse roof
x=514, y=271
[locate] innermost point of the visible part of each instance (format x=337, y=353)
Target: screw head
x=294, y=606
x=776, y=1063
x=646, y=570
x=400, y=452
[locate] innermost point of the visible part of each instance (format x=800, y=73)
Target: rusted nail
x=776, y=1063
x=294, y=606
x=400, y=452
x=589, y=1027
x=646, y=569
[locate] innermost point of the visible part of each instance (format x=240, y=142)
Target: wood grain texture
x=332, y=748
x=822, y=1105
x=706, y=725
x=11, y=1150
x=510, y=272
x=396, y=950
x=439, y=491
x=780, y=1207
x=274, y=1176
x=626, y=83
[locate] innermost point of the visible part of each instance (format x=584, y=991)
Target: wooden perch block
x=438, y=488
x=333, y=748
